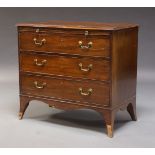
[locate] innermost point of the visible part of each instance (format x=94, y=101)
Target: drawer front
x=65, y=42
x=86, y=92
x=88, y=68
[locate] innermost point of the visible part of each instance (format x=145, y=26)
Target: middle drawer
x=83, y=67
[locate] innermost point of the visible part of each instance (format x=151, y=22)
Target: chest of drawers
x=73, y=65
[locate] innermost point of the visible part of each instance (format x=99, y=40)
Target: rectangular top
x=80, y=25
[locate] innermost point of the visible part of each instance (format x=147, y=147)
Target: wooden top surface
x=80, y=25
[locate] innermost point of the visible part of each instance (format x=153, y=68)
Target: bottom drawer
x=88, y=92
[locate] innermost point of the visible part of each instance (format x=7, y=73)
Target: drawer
x=88, y=68
x=66, y=42
x=94, y=93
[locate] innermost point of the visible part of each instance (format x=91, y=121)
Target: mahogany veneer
x=72, y=65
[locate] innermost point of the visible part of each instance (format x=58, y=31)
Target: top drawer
x=75, y=42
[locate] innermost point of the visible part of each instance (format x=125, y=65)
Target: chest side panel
x=124, y=65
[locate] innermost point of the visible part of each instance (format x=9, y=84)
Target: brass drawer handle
x=90, y=66
x=88, y=93
x=52, y=106
x=41, y=86
x=39, y=43
x=84, y=46
x=42, y=63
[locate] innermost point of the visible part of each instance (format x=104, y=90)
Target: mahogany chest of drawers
x=73, y=65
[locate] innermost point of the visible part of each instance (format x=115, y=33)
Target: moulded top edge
x=79, y=25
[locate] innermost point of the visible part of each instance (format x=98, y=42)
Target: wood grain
x=65, y=43
x=66, y=89
x=124, y=65
x=79, y=25
x=66, y=66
